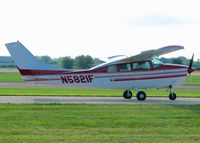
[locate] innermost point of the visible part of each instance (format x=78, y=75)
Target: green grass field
x=10, y=77
x=59, y=123
x=192, y=80
x=99, y=123
x=89, y=92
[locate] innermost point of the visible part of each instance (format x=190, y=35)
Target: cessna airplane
x=136, y=72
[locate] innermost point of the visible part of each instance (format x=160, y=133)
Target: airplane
x=137, y=72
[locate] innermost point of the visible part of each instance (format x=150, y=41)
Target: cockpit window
x=124, y=67
x=156, y=63
x=112, y=68
x=141, y=66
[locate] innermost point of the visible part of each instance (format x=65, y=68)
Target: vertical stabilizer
x=25, y=60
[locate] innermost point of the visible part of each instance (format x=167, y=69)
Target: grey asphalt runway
x=34, y=85
x=93, y=100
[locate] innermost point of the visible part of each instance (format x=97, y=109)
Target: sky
x=100, y=28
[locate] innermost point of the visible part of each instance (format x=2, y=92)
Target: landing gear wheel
x=141, y=95
x=172, y=96
x=127, y=94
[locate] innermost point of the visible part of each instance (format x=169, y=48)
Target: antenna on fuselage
x=125, y=52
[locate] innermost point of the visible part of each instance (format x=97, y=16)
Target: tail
x=27, y=64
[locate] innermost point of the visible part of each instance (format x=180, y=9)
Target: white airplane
x=136, y=72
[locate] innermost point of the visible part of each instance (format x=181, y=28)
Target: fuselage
x=134, y=75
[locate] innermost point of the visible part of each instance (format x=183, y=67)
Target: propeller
x=190, y=69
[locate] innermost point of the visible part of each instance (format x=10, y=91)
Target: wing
x=146, y=55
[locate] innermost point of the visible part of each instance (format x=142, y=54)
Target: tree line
x=79, y=62
x=86, y=62
x=182, y=61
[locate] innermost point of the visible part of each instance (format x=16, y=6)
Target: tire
x=172, y=96
x=127, y=94
x=141, y=95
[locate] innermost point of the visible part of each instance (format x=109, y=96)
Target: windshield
x=156, y=63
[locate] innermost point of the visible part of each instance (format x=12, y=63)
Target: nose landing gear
x=172, y=95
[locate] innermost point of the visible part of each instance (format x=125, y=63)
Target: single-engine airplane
x=137, y=72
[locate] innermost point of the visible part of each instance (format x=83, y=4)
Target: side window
x=124, y=67
x=112, y=68
x=141, y=66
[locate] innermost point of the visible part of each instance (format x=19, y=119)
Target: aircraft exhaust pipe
x=190, y=69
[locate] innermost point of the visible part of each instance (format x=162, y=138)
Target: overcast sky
x=100, y=28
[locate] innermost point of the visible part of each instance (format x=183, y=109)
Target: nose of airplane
x=190, y=70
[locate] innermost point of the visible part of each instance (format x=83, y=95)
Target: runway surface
x=93, y=100
x=33, y=85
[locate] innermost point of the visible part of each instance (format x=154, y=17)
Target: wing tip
x=174, y=46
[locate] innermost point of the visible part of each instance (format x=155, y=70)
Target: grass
x=192, y=80
x=10, y=77
x=99, y=123
x=59, y=91
x=89, y=92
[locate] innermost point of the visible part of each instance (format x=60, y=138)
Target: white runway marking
x=93, y=100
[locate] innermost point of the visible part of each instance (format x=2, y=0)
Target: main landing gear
x=127, y=94
x=141, y=95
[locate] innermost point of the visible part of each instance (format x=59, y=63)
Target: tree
x=176, y=61
x=97, y=61
x=180, y=60
x=46, y=59
x=165, y=60
x=83, y=62
x=66, y=62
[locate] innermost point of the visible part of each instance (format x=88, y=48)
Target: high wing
x=146, y=55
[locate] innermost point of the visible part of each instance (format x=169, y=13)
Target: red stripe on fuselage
x=27, y=72
x=49, y=72
x=147, y=78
